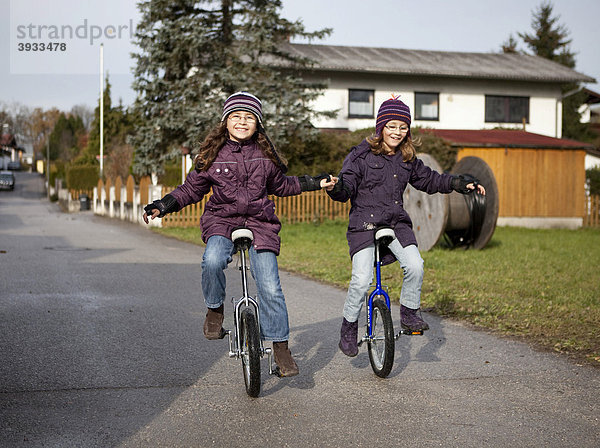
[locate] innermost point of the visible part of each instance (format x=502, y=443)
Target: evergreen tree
x=510, y=46
x=550, y=40
x=117, y=124
x=193, y=54
x=65, y=136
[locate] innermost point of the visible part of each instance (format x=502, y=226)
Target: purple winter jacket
x=375, y=185
x=241, y=177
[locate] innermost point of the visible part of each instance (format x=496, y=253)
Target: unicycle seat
x=385, y=235
x=242, y=238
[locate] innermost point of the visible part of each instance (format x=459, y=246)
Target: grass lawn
x=542, y=285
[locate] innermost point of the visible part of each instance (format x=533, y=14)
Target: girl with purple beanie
x=241, y=165
x=374, y=176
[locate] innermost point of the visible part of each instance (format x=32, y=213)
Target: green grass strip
x=542, y=285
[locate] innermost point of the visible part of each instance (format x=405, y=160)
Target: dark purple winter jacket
x=241, y=177
x=375, y=185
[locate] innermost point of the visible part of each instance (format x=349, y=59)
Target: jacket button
x=371, y=215
x=395, y=175
x=218, y=170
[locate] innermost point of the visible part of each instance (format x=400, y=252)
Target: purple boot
x=348, y=344
x=410, y=320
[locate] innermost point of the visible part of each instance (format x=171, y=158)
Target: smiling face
x=241, y=125
x=394, y=133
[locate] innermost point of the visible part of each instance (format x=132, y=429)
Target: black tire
x=381, y=347
x=250, y=352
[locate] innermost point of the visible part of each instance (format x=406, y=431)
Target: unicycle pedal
x=407, y=332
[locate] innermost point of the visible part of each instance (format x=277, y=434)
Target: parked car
x=16, y=165
x=7, y=180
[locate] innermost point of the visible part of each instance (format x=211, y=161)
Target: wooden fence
x=592, y=216
x=310, y=206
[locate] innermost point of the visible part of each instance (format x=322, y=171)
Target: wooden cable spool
x=428, y=212
x=463, y=224
x=436, y=215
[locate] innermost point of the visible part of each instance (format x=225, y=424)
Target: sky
x=69, y=75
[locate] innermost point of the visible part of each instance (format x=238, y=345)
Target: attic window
x=506, y=109
x=360, y=103
x=427, y=106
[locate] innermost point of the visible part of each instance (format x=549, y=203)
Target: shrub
x=171, y=177
x=82, y=177
x=592, y=176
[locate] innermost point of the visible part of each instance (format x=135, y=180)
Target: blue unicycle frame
x=379, y=332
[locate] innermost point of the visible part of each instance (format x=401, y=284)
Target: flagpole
x=101, y=109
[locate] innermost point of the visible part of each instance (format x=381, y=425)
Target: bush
x=82, y=177
x=171, y=177
x=593, y=178
x=326, y=153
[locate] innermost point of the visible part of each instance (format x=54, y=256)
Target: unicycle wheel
x=250, y=352
x=381, y=345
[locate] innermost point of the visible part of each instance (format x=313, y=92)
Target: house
x=444, y=90
x=503, y=108
x=9, y=151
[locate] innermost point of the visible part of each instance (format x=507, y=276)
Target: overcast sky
x=68, y=76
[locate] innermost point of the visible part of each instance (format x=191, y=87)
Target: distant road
x=101, y=345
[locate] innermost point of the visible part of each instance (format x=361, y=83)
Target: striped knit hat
x=243, y=101
x=392, y=109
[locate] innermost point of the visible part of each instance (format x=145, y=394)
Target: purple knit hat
x=392, y=109
x=243, y=101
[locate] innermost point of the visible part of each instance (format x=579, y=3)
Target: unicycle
x=246, y=343
x=379, y=333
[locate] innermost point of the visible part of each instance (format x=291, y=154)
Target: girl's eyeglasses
x=237, y=118
x=397, y=128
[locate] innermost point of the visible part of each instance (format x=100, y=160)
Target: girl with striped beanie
x=374, y=176
x=240, y=164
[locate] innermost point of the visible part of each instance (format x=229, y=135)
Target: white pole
x=101, y=109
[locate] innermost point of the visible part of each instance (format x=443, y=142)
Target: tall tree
x=550, y=40
x=193, y=54
x=510, y=46
x=65, y=136
x=117, y=124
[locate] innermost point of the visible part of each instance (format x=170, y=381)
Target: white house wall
x=462, y=101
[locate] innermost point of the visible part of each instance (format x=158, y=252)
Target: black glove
x=166, y=205
x=459, y=183
x=309, y=183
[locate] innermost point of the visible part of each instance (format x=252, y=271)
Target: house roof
x=591, y=96
x=505, y=66
x=8, y=140
x=494, y=138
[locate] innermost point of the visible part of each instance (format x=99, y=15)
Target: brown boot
x=283, y=359
x=213, y=324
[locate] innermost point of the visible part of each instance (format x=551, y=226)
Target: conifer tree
x=193, y=54
x=550, y=40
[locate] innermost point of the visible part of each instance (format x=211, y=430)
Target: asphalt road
x=101, y=345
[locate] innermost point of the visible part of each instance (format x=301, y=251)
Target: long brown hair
x=209, y=149
x=407, y=147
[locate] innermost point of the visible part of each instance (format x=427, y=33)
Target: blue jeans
x=273, y=316
x=363, y=261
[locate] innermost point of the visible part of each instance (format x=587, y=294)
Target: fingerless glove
x=309, y=183
x=168, y=204
x=459, y=183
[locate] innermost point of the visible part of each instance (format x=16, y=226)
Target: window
x=427, y=106
x=506, y=109
x=360, y=103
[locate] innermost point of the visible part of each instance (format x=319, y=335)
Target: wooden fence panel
x=592, y=216
x=310, y=206
x=130, y=188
